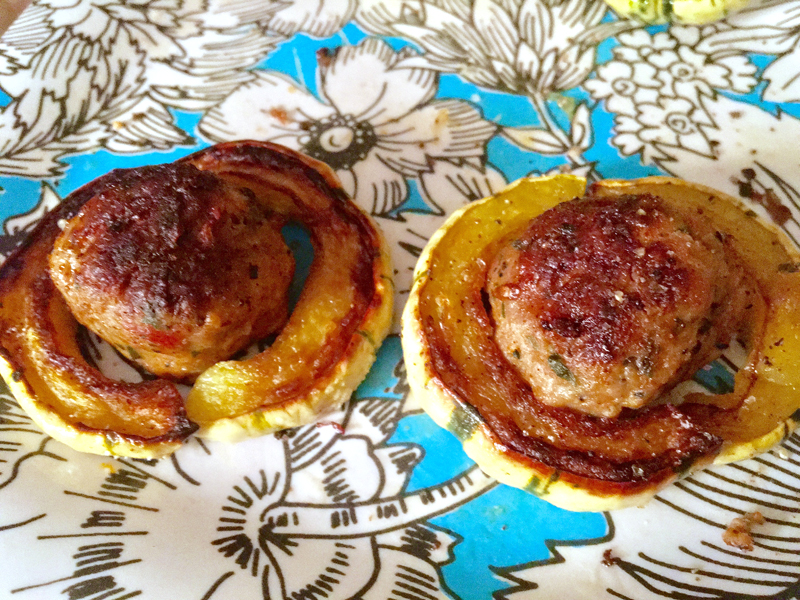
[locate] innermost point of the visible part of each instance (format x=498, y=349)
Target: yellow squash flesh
x=766, y=394
x=314, y=365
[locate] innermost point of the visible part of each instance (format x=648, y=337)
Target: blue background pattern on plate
x=573, y=89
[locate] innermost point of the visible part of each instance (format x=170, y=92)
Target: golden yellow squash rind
x=479, y=442
x=76, y=404
x=328, y=393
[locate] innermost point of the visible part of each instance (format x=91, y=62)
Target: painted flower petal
x=223, y=14
x=741, y=73
x=578, y=15
x=147, y=124
x=624, y=105
x=627, y=138
x=535, y=20
x=23, y=438
x=321, y=18
x=442, y=129
x=497, y=29
x=439, y=51
x=546, y=82
x=687, y=35
x=346, y=471
x=25, y=37
x=536, y=139
x=375, y=418
x=784, y=78
x=362, y=81
x=378, y=16
x=573, y=67
x=456, y=27
x=272, y=108
x=785, y=15
x=448, y=186
x=480, y=75
x=509, y=78
x=403, y=575
x=696, y=142
x=378, y=188
x=339, y=569
x=764, y=39
x=433, y=544
x=398, y=461
x=197, y=85
x=527, y=62
x=691, y=90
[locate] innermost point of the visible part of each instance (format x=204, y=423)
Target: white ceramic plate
x=420, y=107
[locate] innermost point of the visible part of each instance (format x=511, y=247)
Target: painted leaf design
x=581, y=128
x=535, y=139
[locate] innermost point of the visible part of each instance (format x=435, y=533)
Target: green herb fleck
x=151, y=317
x=550, y=481
x=567, y=227
x=532, y=486
x=131, y=352
x=516, y=354
x=560, y=368
x=422, y=275
x=789, y=267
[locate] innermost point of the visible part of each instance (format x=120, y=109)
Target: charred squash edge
x=481, y=443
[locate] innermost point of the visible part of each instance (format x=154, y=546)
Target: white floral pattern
x=87, y=74
x=531, y=47
x=295, y=506
x=657, y=86
x=772, y=28
x=420, y=106
x=377, y=124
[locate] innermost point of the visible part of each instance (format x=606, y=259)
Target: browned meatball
x=174, y=267
x=603, y=304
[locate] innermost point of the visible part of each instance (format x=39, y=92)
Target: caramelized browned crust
x=577, y=460
x=639, y=448
x=349, y=258
x=603, y=304
x=174, y=267
x=235, y=210
x=37, y=335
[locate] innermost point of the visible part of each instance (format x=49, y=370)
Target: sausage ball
x=174, y=267
x=606, y=304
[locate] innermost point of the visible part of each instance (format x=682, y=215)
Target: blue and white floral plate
x=420, y=107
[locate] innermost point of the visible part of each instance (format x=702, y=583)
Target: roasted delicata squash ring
x=340, y=320
x=678, y=11
x=571, y=459
x=317, y=360
x=44, y=368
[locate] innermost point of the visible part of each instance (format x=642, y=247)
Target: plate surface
x=420, y=107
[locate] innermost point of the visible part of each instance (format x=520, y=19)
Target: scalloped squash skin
x=766, y=415
x=316, y=362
